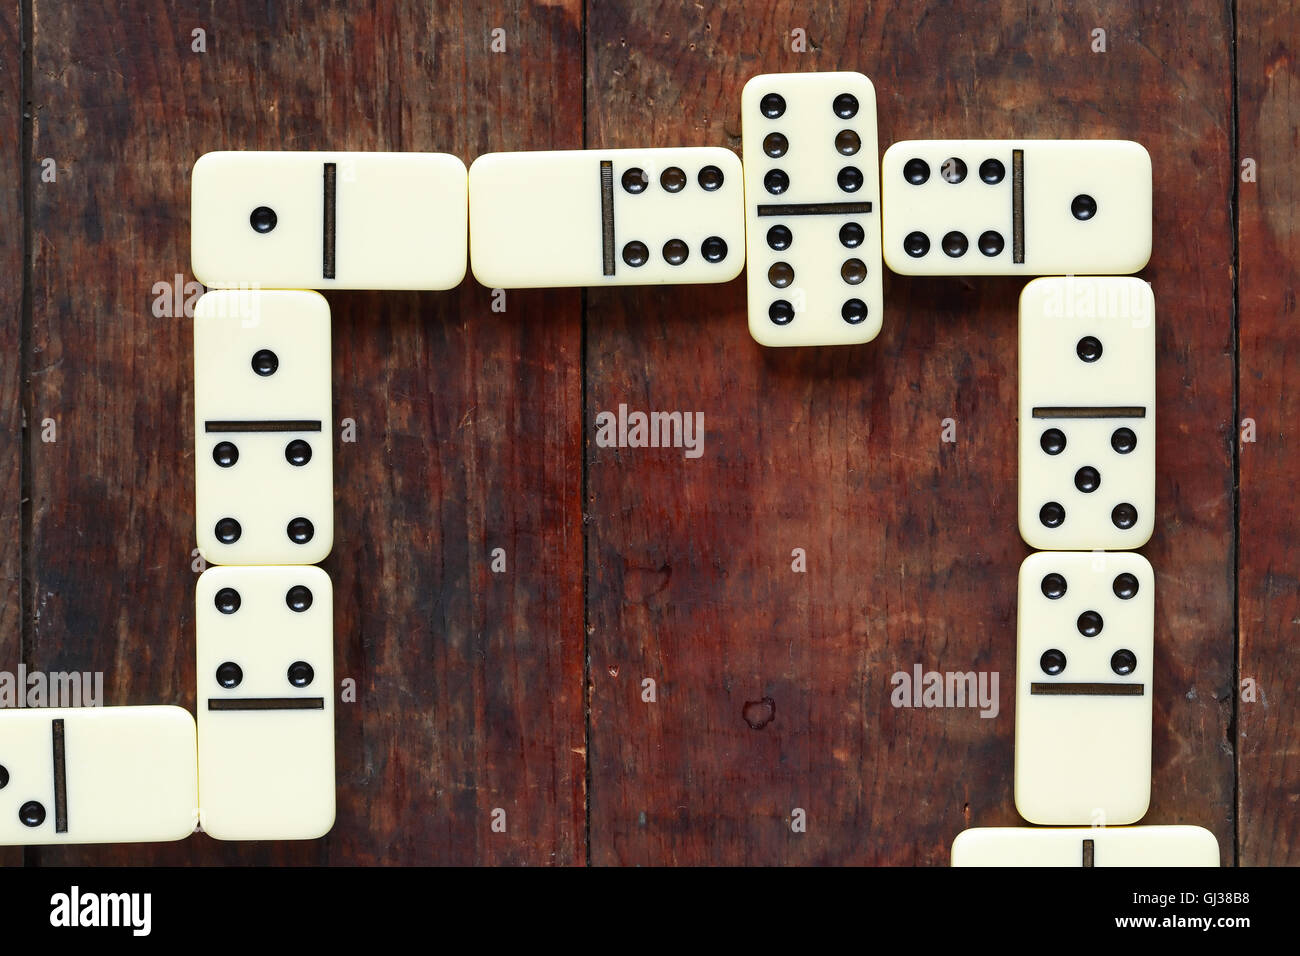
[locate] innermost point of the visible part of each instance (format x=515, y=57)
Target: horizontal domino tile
x=1016, y=207
x=606, y=217
x=327, y=220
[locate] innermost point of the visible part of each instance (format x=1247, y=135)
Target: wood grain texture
x=912, y=543
x=14, y=170
x=467, y=421
x=1269, y=555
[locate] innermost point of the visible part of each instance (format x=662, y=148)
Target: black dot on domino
x=228, y=530
x=847, y=142
x=1083, y=207
x=772, y=105
x=1089, y=623
x=991, y=243
x=845, y=106
x=225, y=454
x=849, y=179
x=714, y=249
x=955, y=244
x=953, y=170
x=1053, y=586
x=4, y=778
x=1052, y=441
x=916, y=245
x=635, y=180
x=779, y=238
x=776, y=181
x=1125, y=586
x=672, y=179
x=781, y=274
x=265, y=362
x=710, y=178
x=298, y=598
x=916, y=171
x=853, y=271
x=31, y=814
x=1052, y=662
x=775, y=145
x=1089, y=348
x=1052, y=514
x=992, y=171
x=1123, y=440
x=854, y=311
x=676, y=252
x=851, y=235
x=227, y=600
x=263, y=219
x=230, y=675
x=1124, y=516
x=1087, y=479
x=301, y=674
x=1123, y=662
x=781, y=312
x=636, y=254
x=300, y=530
x=297, y=452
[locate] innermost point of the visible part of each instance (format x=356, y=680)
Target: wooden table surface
x=518, y=697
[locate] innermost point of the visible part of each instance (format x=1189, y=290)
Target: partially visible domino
x=1087, y=413
x=265, y=654
x=606, y=217
x=1085, y=631
x=320, y=220
x=812, y=208
x=1086, y=846
x=1016, y=207
x=97, y=775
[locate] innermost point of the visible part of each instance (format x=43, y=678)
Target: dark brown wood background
x=523, y=690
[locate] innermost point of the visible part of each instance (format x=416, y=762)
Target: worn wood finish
x=467, y=421
x=912, y=544
x=1269, y=604
x=13, y=168
x=474, y=431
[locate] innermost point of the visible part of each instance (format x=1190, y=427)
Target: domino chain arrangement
x=816, y=218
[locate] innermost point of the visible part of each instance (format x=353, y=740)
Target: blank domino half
x=1085, y=636
x=1086, y=846
x=606, y=217
x=263, y=470
x=289, y=220
x=1016, y=207
x=812, y=208
x=97, y=775
x=1087, y=413
x=265, y=702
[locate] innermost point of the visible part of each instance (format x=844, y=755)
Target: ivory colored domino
x=812, y=208
x=323, y=220
x=1083, y=688
x=1087, y=413
x=1086, y=846
x=1016, y=207
x=265, y=702
x=606, y=217
x=97, y=775
x=263, y=469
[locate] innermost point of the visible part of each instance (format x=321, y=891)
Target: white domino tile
x=264, y=481
x=1087, y=413
x=812, y=208
x=328, y=220
x=1162, y=846
x=97, y=775
x=606, y=217
x=1016, y=207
